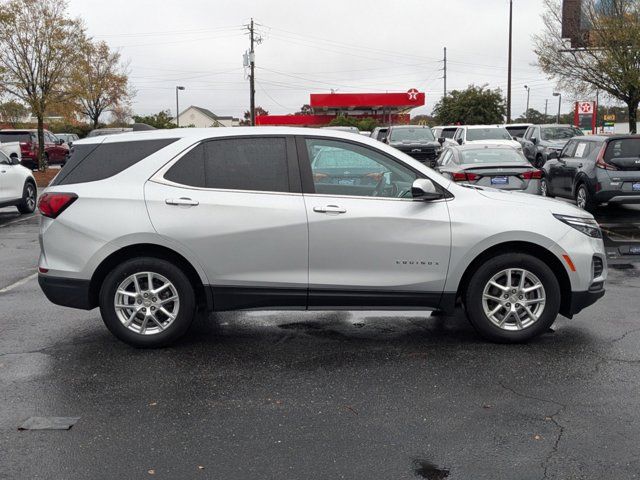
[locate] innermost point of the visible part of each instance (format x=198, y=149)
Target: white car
x=291, y=218
x=487, y=134
x=17, y=185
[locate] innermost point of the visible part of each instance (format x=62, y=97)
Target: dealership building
x=387, y=108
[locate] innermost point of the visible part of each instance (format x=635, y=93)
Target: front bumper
x=581, y=300
x=67, y=292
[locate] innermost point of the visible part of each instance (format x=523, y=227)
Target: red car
x=55, y=150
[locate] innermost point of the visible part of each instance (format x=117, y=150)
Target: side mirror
x=440, y=140
x=534, y=140
x=459, y=141
x=60, y=141
x=14, y=159
x=552, y=155
x=424, y=189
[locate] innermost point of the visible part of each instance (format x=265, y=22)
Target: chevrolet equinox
x=151, y=226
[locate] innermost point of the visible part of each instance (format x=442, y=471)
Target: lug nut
x=506, y=296
x=508, y=305
x=145, y=295
x=139, y=301
x=144, y=309
x=513, y=291
x=520, y=297
x=517, y=305
x=153, y=308
x=154, y=299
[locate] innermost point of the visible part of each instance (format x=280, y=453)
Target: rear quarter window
x=623, y=148
x=93, y=162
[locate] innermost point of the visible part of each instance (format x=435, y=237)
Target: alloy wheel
x=581, y=198
x=31, y=197
x=146, y=303
x=513, y=299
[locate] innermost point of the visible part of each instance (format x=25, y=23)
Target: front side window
x=341, y=168
x=583, y=149
x=560, y=133
x=569, y=149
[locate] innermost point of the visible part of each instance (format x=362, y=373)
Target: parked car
x=595, y=169
x=517, y=130
x=489, y=134
x=417, y=141
x=247, y=218
x=68, y=138
x=540, y=140
x=445, y=132
x=101, y=132
x=497, y=166
x=55, y=150
x=380, y=133
x=17, y=185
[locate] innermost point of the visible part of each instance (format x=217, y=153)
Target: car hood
x=554, y=206
x=558, y=144
x=511, y=143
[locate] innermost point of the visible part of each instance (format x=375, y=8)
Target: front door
x=370, y=244
x=235, y=204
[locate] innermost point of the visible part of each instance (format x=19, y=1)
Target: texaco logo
x=413, y=94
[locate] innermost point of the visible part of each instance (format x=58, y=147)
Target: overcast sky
x=314, y=46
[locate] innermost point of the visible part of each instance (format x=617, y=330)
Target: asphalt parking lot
x=292, y=395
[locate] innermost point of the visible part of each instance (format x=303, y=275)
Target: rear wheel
x=147, y=302
x=512, y=298
x=584, y=199
x=29, y=195
x=544, y=188
x=539, y=161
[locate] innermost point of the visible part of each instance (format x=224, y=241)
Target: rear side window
x=6, y=137
x=189, y=170
x=247, y=164
x=90, y=163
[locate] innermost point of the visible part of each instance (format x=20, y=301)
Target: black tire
x=29, y=196
x=544, y=189
x=186, y=310
x=475, y=289
x=584, y=199
x=539, y=161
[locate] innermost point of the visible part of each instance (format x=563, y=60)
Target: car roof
x=473, y=127
x=563, y=125
x=410, y=126
x=507, y=125
x=21, y=130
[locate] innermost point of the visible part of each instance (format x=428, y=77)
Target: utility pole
x=509, y=66
x=252, y=78
x=178, y=88
x=445, y=72
x=546, y=104
x=526, y=112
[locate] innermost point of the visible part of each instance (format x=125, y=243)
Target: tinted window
x=411, y=134
x=15, y=137
x=569, y=149
x=516, y=131
x=488, y=134
x=624, y=148
x=448, y=132
x=341, y=168
x=189, y=170
x=89, y=163
x=247, y=164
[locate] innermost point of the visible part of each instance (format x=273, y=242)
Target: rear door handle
x=329, y=209
x=182, y=201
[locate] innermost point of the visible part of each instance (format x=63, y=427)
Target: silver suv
x=152, y=226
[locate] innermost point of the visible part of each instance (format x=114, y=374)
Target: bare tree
x=99, y=81
x=121, y=115
x=38, y=45
x=610, y=59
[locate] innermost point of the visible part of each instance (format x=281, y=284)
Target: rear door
x=236, y=203
x=370, y=244
x=561, y=172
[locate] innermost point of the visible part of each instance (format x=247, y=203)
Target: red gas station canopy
x=394, y=101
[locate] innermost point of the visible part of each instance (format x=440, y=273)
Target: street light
x=526, y=112
x=177, y=106
x=559, y=95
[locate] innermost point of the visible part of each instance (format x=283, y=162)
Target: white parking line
x=17, y=221
x=18, y=283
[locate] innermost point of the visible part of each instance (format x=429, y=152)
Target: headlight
x=588, y=226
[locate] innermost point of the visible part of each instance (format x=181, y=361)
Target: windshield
x=448, y=132
x=489, y=133
x=516, y=131
x=411, y=134
x=491, y=155
x=6, y=137
x=623, y=148
x=559, y=133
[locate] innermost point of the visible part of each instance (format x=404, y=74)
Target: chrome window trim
x=392, y=199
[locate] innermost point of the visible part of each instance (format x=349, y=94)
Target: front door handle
x=183, y=201
x=330, y=209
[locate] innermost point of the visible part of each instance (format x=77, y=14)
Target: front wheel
x=544, y=188
x=147, y=302
x=512, y=298
x=29, y=195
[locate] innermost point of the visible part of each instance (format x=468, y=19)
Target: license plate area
x=499, y=180
x=346, y=181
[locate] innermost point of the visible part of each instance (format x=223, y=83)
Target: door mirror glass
x=534, y=140
x=459, y=141
x=440, y=140
x=14, y=159
x=424, y=189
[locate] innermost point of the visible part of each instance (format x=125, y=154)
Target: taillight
x=465, y=177
x=600, y=163
x=532, y=175
x=53, y=204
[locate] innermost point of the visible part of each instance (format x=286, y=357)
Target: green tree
x=534, y=116
x=422, y=120
x=365, y=124
x=38, y=49
x=247, y=115
x=472, y=106
x=610, y=62
x=305, y=110
x=161, y=119
x=13, y=112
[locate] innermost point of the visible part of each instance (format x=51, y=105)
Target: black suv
x=416, y=141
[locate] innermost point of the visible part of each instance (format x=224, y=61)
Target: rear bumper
x=581, y=300
x=67, y=292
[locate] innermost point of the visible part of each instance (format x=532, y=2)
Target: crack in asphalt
x=552, y=418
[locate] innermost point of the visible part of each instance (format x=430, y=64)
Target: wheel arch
x=203, y=294
x=522, y=247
